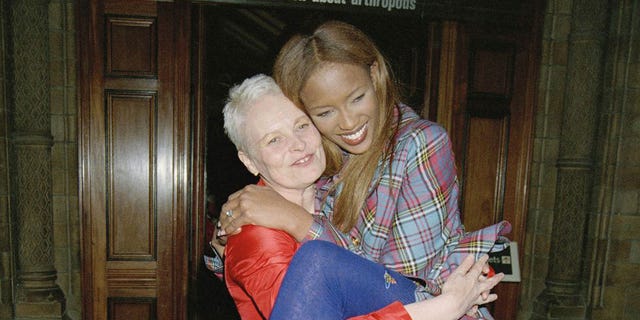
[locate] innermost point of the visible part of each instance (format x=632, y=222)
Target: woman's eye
x=273, y=140
x=323, y=114
x=358, y=98
x=304, y=125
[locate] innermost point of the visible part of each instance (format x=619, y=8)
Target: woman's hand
x=464, y=291
x=218, y=243
x=261, y=205
x=469, y=287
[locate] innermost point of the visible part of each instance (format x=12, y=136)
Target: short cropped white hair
x=241, y=98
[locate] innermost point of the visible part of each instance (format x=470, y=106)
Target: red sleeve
x=256, y=261
x=394, y=311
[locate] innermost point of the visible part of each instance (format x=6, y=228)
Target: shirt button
x=355, y=241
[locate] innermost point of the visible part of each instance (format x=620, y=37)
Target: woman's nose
x=347, y=121
x=298, y=143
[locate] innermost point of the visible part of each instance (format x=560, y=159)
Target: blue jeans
x=325, y=281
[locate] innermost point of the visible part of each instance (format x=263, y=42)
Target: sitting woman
x=278, y=142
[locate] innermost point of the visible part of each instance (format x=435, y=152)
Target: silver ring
x=229, y=213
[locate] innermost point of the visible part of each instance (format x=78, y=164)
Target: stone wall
x=6, y=259
x=543, y=175
x=607, y=286
x=39, y=233
x=614, y=233
x=64, y=152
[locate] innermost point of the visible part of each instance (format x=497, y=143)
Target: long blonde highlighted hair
x=339, y=42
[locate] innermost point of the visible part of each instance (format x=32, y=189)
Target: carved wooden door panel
x=134, y=112
x=485, y=100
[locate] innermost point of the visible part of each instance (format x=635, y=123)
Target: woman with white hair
x=278, y=142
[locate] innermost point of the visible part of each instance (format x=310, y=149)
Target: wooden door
x=485, y=95
x=133, y=158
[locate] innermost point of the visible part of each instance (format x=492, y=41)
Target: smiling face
x=284, y=146
x=341, y=100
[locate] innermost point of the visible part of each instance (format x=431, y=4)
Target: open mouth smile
x=304, y=160
x=356, y=137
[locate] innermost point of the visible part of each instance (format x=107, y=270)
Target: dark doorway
x=240, y=41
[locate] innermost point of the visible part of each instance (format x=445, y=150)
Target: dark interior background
x=241, y=41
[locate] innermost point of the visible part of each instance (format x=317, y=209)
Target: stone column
x=563, y=297
x=38, y=295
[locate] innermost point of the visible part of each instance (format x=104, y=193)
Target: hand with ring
x=228, y=215
x=220, y=231
x=469, y=287
x=263, y=206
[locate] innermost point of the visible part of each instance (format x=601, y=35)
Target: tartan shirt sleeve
x=321, y=227
x=427, y=239
x=418, y=202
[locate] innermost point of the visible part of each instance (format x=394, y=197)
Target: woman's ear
x=244, y=158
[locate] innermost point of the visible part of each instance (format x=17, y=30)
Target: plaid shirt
x=411, y=221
